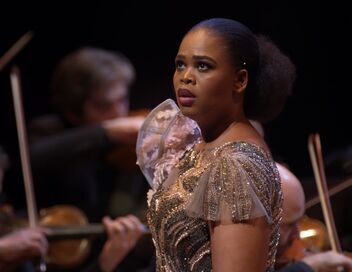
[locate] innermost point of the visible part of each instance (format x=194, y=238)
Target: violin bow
x=17, y=47
x=22, y=139
x=23, y=144
x=316, y=157
x=338, y=188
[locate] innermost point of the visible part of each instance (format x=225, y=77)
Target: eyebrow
x=197, y=57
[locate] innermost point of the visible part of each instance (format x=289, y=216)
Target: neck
x=211, y=134
x=216, y=136
x=220, y=126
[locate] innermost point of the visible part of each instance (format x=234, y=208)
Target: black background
x=312, y=34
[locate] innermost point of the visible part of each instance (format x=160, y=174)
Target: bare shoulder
x=245, y=132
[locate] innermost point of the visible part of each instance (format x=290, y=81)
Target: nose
x=188, y=77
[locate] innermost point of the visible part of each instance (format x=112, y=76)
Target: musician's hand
x=123, y=234
x=23, y=244
x=328, y=261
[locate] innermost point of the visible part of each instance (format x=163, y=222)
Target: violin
x=312, y=239
x=63, y=254
x=314, y=236
x=68, y=233
x=66, y=224
x=123, y=157
x=61, y=221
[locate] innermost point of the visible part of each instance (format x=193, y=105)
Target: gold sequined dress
x=235, y=182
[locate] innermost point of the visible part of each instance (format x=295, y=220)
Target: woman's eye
x=203, y=66
x=179, y=64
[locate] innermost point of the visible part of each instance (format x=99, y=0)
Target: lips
x=185, y=97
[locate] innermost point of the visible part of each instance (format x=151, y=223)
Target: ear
x=241, y=81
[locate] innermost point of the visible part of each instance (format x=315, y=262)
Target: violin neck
x=60, y=232
x=74, y=231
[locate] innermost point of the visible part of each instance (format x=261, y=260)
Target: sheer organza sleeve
x=236, y=187
x=163, y=138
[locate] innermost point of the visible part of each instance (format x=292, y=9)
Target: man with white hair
x=293, y=210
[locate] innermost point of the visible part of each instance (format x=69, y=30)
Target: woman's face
x=204, y=79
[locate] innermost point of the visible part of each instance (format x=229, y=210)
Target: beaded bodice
x=179, y=224
x=233, y=183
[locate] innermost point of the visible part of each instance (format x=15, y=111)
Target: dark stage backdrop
x=313, y=35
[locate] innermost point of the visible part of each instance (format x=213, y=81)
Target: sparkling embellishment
x=230, y=176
